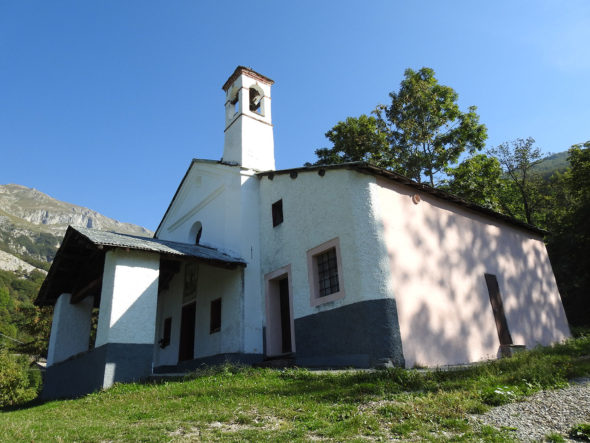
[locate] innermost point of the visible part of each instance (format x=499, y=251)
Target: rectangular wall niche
x=215, y=320
x=277, y=213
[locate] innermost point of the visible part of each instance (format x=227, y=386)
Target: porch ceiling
x=78, y=265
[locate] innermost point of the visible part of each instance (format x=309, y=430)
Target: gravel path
x=543, y=413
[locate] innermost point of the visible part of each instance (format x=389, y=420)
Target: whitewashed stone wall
x=128, y=298
x=70, y=329
x=438, y=255
x=317, y=209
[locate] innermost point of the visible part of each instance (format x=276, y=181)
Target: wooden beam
x=80, y=294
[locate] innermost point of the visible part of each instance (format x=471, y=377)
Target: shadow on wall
x=438, y=259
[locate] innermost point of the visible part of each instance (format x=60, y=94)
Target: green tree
x=418, y=135
x=426, y=129
x=570, y=240
x=522, y=197
x=35, y=322
x=356, y=139
x=16, y=383
x=477, y=179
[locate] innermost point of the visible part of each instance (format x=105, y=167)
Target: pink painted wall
x=438, y=256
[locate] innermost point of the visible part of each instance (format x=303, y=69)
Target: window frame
x=313, y=274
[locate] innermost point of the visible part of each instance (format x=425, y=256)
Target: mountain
x=32, y=225
x=553, y=163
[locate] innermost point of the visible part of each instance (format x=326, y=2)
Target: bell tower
x=248, y=131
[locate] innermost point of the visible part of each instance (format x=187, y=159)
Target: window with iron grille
x=324, y=267
x=327, y=272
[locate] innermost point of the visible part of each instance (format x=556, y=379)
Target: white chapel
x=345, y=265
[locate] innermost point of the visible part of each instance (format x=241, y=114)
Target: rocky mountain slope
x=32, y=225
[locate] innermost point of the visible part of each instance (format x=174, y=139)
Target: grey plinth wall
x=361, y=335
x=97, y=369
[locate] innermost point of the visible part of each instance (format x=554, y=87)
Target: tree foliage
x=478, y=180
x=518, y=159
x=419, y=134
x=20, y=320
x=570, y=240
x=425, y=126
x=356, y=139
x=18, y=383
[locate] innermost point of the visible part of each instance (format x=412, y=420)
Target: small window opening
x=215, y=323
x=165, y=341
x=195, y=232
x=255, y=101
x=277, y=213
x=235, y=103
x=327, y=266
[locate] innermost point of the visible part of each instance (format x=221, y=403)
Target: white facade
x=316, y=210
x=70, y=329
x=222, y=198
x=129, y=297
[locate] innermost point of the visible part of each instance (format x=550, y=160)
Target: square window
x=215, y=322
x=277, y=213
x=325, y=273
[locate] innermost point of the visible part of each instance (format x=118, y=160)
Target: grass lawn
x=245, y=404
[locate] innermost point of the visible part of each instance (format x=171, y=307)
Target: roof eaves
x=448, y=196
x=165, y=247
x=367, y=168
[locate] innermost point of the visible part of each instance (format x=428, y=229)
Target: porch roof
x=78, y=264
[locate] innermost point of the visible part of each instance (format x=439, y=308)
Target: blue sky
x=104, y=103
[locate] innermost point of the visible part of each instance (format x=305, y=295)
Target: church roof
x=126, y=241
x=78, y=264
x=367, y=168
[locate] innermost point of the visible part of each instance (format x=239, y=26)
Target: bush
x=498, y=395
x=18, y=384
x=580, y=432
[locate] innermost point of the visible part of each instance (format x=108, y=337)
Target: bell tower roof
x=243, y=70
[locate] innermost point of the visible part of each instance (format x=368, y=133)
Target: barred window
x=324, y=267
x=327, y=272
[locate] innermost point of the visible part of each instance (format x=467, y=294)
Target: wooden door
x=186, y=348
x=498, y=309
x=285, y=315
